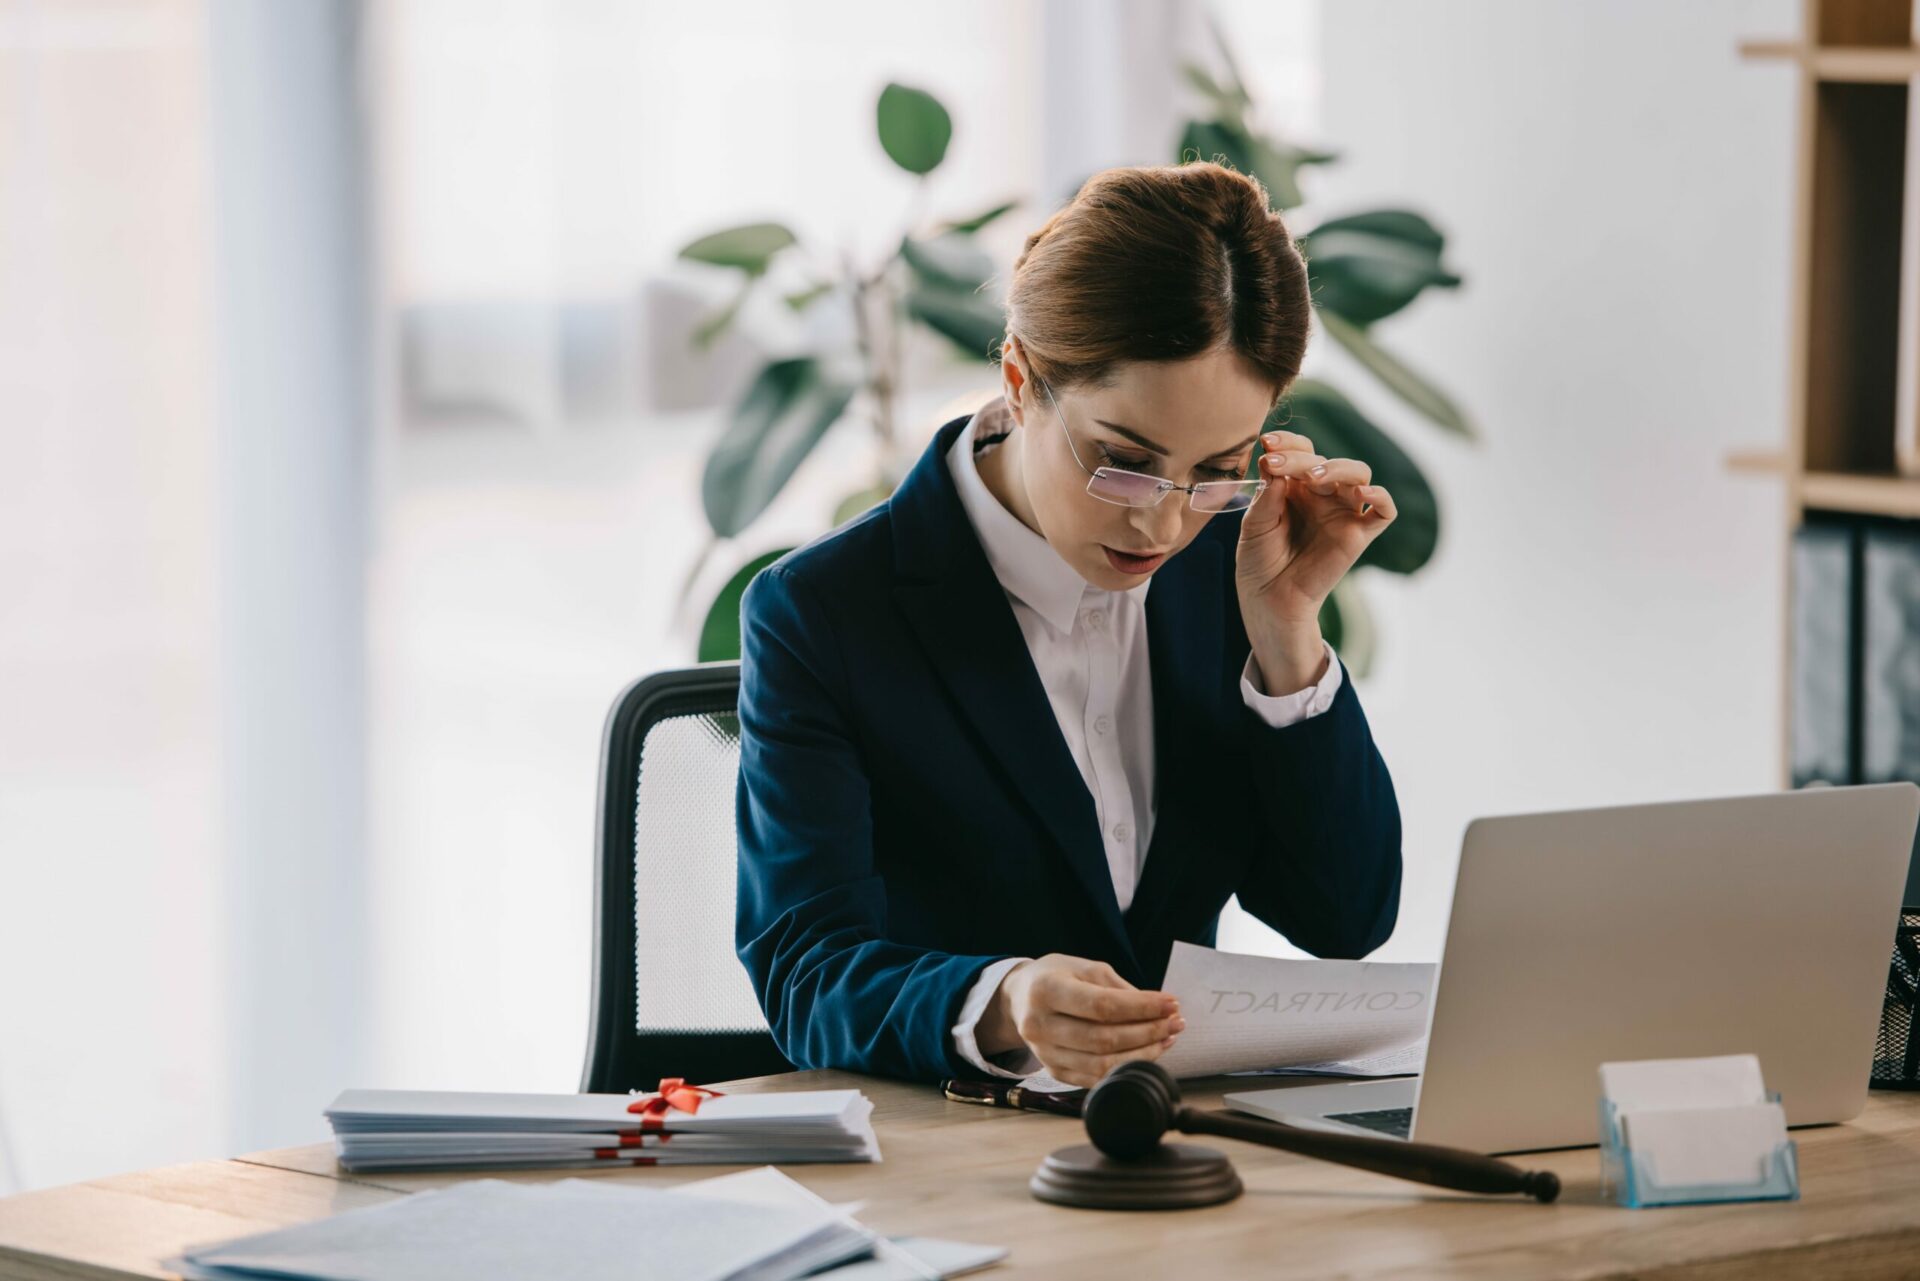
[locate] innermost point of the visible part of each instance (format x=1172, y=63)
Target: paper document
x=1405, y=1061
x=756, y=1225
x=452, y=1130
x=1265, y=1013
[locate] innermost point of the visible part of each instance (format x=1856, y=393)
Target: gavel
x=1134, y=1106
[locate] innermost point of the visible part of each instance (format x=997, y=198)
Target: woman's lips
x=1128, y=563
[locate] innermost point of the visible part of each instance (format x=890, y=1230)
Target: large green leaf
x=914, y=128
x=801, y=299
x=786, y=409
x=720, y=633
x=972, y=322
x=950, y=261
x=713, y=326
x=856, y=503
x=1361, y=270
x=980, y=220
x=747, y=247
x=1228, y=100
x=1396, y=224
x=1402, y=380
x=1339, y=430
x=1356, y=643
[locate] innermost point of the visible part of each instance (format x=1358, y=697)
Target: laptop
x=1759, y=924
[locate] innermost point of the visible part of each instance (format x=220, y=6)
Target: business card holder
x=1633, y=1179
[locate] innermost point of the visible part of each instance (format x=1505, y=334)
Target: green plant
x=1362, y=268
x=934, y=278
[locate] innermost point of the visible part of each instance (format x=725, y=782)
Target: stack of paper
x=413, y=1129
x=757, y=1225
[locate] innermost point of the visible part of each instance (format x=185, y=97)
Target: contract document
x=1268, y=1014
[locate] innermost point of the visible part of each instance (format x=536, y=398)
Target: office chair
x=670, y=996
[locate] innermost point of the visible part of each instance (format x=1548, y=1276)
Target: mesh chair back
x=670, y=997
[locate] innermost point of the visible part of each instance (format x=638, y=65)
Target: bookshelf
x=1852, y=446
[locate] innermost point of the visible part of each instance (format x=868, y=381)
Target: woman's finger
x=1101, y=1038
x=1075, y=996
x=1279, y=440
x=1076, y=1067
x=1380, y=500
x=1340, y=473
x=1290, y=463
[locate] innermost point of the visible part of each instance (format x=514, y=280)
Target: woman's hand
x=1297, y=540
x=1078, y=1016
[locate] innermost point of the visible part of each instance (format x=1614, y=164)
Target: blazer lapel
x=1185, y=636
x=950, y=596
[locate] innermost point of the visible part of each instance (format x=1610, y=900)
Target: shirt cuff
x=1282, y=710
x=1017, y=1062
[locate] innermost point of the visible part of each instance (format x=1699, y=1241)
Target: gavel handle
x=1420, y=1162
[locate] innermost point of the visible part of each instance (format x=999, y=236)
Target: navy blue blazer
x=909, y=811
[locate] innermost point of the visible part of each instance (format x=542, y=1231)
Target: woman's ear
x=1013, y=376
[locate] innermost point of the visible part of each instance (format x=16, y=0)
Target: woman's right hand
x=1079, y=1017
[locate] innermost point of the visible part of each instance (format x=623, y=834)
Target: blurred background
x=355, y=441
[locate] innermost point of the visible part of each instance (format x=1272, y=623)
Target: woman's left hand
x=1299, y=538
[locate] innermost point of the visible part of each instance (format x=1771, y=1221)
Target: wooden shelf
x=1853, y=361
x=1858, y=64
x=1872, y=495
x=1768, y=462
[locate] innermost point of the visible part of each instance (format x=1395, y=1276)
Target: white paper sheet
x=1247, y=1013
x=1717, y=1081
x=756, y=1223
x=1405, y=1061
x=489, y=1229
x=1700, y=1121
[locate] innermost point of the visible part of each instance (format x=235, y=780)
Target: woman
x=1007, y=736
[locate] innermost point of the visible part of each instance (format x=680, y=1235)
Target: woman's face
x=1188, y=421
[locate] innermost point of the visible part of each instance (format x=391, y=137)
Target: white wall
x=1601, y=622
x=112, y=945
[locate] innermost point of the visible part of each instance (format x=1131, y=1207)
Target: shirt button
x=1121, y=831
x=1103, y=724
x=1098, y=618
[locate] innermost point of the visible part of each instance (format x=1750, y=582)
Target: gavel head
x=1130, y=1108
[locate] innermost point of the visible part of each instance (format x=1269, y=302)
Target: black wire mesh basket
x=1896, y=1052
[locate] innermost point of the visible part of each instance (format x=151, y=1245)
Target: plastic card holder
x=1633, y=1177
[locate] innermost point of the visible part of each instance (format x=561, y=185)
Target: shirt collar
x=1025, y=563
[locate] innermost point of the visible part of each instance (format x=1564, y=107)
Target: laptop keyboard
x=1395, y=1121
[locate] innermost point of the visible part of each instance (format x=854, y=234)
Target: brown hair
x=1160, y=262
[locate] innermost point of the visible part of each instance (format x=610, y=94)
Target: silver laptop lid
x=1750, y=923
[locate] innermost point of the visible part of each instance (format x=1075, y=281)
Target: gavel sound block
x=1127, y=1167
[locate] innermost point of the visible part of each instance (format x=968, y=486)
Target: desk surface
x=960, y=1171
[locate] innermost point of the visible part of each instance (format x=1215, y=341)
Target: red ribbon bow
x=674, y=1093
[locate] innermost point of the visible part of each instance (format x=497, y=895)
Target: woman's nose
x=1160, y=524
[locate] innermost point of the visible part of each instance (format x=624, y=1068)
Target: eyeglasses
x=1139, y=489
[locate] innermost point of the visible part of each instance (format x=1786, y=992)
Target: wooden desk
x=960, y=1171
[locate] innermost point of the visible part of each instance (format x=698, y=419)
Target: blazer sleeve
x=1325, y=870
x=811, y=920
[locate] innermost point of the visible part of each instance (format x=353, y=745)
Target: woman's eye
x=1131, y=464
x=1111, y=459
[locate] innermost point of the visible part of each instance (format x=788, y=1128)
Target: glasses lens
x=1129, y=489
x=1226, y=495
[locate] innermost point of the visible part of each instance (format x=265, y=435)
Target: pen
x=1011, y=1094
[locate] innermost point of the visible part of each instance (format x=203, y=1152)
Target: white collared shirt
x=1089, y=645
